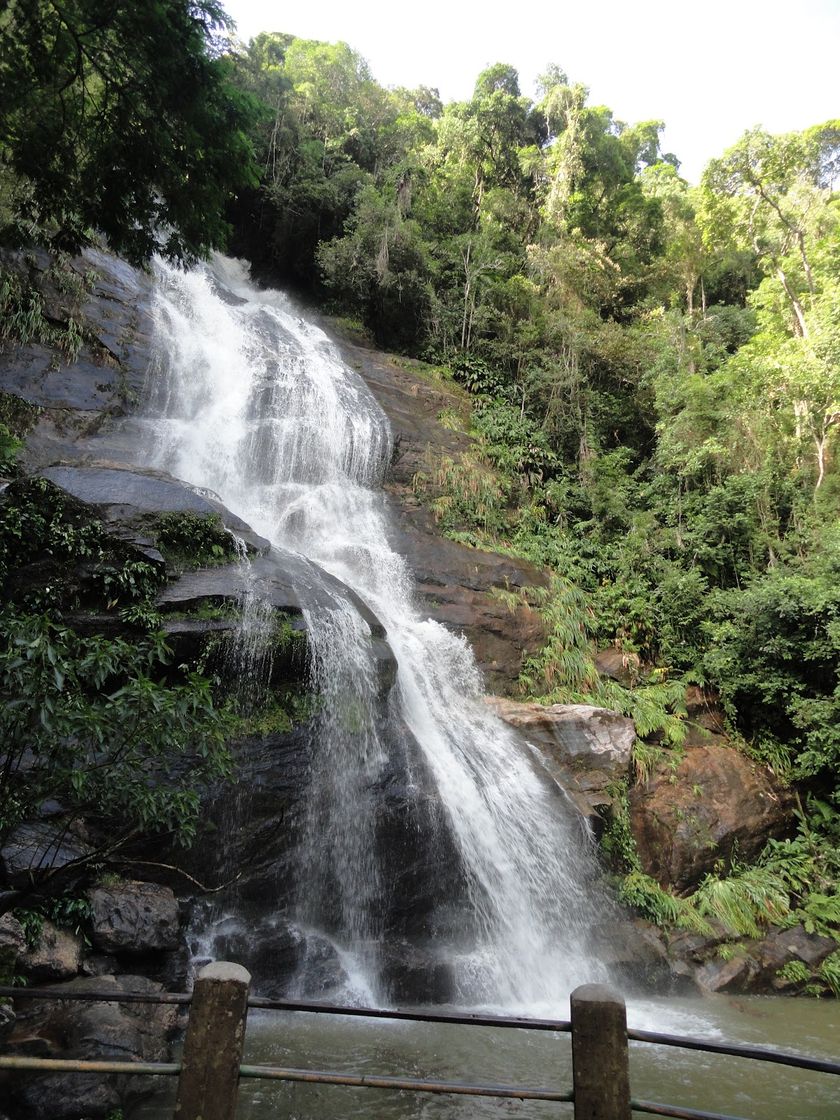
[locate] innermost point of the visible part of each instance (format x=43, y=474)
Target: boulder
x=584, y=748
x=635, y=951
x=280, y=957
x=721, y=964
x=715, y=804
x=415, y=975
x=781, y=946
x=57, y=955
x=736, y=973
x=134, y=918
x=7, y=1023
x=619, y=665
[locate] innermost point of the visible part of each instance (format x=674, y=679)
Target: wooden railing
x=211, y=1068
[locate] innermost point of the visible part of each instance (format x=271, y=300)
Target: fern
x=744, y=902
x=829, y=972
x=821, y=914
x=660, y=906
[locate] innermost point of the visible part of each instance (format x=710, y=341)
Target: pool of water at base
x=692, y=1079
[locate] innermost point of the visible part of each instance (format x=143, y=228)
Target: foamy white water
x=252, y=401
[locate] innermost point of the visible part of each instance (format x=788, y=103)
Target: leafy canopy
x=119, y=117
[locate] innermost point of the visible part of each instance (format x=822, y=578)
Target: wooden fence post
x=600, y=1058
x=209, y=1081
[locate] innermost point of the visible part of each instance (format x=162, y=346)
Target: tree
x=86, y=725
x=773, y=195
x=120, y=118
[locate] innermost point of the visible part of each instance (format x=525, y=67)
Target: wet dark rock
x=715, y=803
x=7, y=1022
x=281, y=957
x=420, y=866
x=415, y=975
x=637, y=954
x=34, y=847
x=134, y=918
x=110, y=371
x=128, y=495
x=248, y=834
x=12, y=938
x=99, y=964
x=262, y=823
x=274, y=577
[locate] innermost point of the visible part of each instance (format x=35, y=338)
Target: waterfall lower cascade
x=254, y=403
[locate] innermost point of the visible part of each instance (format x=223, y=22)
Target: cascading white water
x=254, y=403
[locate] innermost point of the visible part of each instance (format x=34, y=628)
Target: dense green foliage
x=119, y=117
x=102, y=728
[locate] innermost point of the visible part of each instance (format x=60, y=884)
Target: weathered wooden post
x=209, y=1081
x=600, y=1058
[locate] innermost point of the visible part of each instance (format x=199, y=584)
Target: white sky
x=710, y=69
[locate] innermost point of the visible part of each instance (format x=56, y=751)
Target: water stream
x=253, y=402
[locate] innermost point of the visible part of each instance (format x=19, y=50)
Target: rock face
x=418, y=865
x=586, y=749
x=455, y=584
x=749, y=965
x=134, y=918
x=125, y=495
x=456, y=587
x=111, y=368
x=277, y=951
x=716, y=803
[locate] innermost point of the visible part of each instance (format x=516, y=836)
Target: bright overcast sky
x=710, y=69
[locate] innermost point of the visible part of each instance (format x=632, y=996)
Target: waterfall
x=252, y=401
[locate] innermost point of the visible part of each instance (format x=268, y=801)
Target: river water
x=251, y=401
x=732, y=1086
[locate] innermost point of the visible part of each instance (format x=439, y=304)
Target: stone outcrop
x=77, y=398
x=585, y=749
x=716, y=803
x=134, y=918
x=38, y=844
x=277, y=951
x=745, y=965
x=12, y=948
x=456, y=586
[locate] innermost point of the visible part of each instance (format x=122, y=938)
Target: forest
x=649, y=369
